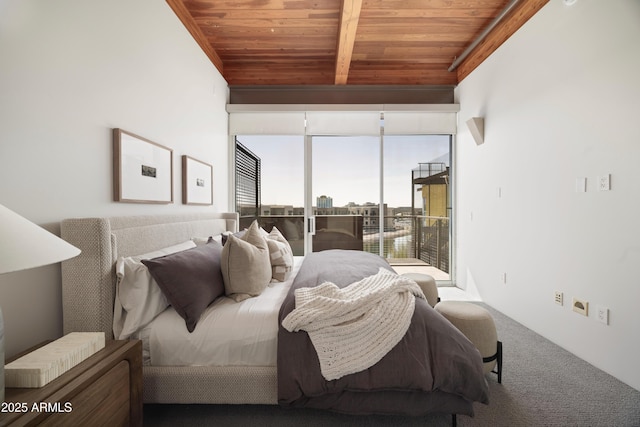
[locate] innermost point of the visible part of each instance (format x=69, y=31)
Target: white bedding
x=229, y=333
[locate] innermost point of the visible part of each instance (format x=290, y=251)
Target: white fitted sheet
x=228, y=333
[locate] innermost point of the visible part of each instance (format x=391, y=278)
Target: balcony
x=410, y=243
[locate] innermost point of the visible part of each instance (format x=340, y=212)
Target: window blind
x=267, y=123
x=343, y=119
x=343, y=123
x=420, y=123
x=247, y=182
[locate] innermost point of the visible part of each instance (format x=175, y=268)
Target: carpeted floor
x=542, y=385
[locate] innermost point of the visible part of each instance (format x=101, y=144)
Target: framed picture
x=197, y=182
x=142, y=170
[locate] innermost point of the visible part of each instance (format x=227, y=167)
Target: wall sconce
x=476, y=126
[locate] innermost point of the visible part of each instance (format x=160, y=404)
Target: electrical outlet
x=558, y=298
x=604, y=182
x=581, y=306
x=602, y=314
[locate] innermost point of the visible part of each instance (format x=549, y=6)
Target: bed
x=89, y=291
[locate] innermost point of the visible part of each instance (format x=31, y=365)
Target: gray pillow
x=190, y=279
x=246, y=268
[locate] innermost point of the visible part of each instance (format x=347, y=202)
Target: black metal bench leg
x=498, y=358
x=454, y=420
x=499, y=362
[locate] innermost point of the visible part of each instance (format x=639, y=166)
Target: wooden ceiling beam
x=348, y=42
x=187, y=20
x=349, y=17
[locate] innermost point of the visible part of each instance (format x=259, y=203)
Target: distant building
x=433, y=179
x=371, y=216
x=330, y=211
x=324, y=202
x=277, y=210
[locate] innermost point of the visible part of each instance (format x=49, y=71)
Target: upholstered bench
x=478, y=326
x=428, y=286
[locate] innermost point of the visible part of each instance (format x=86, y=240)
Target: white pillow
x=200, y=241
x=138, y=298
x=281, y=255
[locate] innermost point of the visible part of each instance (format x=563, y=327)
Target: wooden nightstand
x=105, y=389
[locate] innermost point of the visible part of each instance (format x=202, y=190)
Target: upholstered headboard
x=88, y=280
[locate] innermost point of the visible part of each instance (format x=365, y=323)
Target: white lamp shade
x=24, y=244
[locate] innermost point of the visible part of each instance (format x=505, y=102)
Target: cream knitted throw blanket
x=354, y=327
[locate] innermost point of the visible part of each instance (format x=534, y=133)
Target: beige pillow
x=246, y=269
x=281, y=255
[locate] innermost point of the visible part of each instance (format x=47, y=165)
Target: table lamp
x=25, y=245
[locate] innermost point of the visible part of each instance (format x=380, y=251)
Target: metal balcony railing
x=419, y=237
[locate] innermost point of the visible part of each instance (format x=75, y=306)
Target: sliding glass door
x=417, y=193
x=389, y=195
x=345, y=189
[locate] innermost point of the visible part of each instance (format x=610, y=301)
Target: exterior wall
x=435, y=200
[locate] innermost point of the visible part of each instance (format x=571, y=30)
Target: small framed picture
x=142, y=170
x=197, y=182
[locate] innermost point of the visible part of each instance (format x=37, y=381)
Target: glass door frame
x=309, y=217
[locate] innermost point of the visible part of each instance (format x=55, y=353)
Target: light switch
x=581, y=185
x=604, y=182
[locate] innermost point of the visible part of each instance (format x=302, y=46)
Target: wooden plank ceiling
x=352, y=42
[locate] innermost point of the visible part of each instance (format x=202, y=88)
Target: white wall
x=561, y=100
x=70, y=70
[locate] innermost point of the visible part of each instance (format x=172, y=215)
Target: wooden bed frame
x=88, y=290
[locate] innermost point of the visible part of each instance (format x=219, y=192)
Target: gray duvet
x=434, y=368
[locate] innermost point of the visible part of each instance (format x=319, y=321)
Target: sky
x=343, y=168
